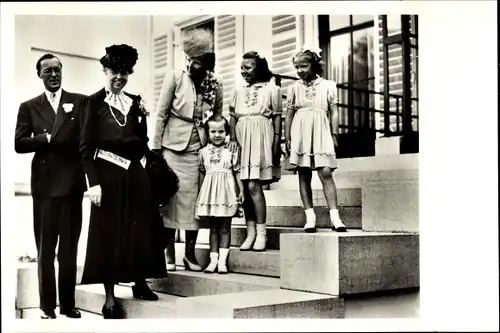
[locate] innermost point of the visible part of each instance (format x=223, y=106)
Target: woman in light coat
x=187, y=98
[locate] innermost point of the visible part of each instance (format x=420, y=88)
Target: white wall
x=79, y=35
x=257, y=35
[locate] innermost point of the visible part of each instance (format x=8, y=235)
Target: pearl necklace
x=113, y=114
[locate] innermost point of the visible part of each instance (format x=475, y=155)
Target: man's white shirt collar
x=58, y=94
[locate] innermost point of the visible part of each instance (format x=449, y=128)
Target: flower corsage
x=142, y=106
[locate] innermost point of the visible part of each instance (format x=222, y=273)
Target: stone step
x=266, y=263
x=239, y=233
x=354, y=262
x=391, y=206
x=346, y=196
x=284, y=219
x=266, y=304
x=27, y=284
x=34, y=313
x=390, y=304
x=91, y=298
x=294, y=216
x=352, y=172
x=189, y=284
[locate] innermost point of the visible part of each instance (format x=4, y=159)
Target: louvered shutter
x=160, y=65
x=227, y=54
x=284, y=45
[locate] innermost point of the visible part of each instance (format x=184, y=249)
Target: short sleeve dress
x=217, y=195
x=311, y=143
x=254, y=107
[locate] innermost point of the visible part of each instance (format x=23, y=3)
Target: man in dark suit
x=47, y=125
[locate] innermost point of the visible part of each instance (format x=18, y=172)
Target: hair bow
x=316, y=50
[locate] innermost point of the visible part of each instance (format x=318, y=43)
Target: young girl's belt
x=254, y=117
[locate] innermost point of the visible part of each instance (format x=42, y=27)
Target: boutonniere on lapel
x=68, y=107
x=142, y=108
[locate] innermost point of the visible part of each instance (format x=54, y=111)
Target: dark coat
x=126, y=234
x=56, y=169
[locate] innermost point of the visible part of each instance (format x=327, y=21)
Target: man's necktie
x=53, y=101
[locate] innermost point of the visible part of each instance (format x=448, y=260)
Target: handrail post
x=406, y=55
x=386, y=76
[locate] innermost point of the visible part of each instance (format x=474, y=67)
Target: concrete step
x=354, y=262
x=27, y=284
x=239, y=233
x=266, y=304
x=346, y=196
x=34, y=313
x=294, y=216
x=396, y=304
x=91, y=298
x=266, y=263
x=189, y=284
x=352, y=172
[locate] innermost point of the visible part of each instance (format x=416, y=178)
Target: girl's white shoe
x=310, y=226
x=338, y=226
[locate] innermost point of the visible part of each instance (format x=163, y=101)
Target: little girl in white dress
x=221, y=190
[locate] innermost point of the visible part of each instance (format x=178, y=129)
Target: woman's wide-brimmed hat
x=120, y=58
x=197, y=42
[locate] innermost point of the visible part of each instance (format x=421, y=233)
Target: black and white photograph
x=191, y=162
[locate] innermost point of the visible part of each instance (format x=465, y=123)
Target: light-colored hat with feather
x=197, y=42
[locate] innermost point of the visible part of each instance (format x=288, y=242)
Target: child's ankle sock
x=214, y=256
x=310, y=216
x=334, y=215
x=336, y=221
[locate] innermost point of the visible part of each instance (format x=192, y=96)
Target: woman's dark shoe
x=70, y=313
x=113, y=312
x=142, y=291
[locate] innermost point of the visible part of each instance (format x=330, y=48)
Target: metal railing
x=366, y=111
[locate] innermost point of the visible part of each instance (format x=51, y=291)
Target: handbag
x=164, y=181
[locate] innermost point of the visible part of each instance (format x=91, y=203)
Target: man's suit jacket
x=56, y=169
x=176, y=104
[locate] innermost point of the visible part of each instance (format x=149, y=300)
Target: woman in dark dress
x=125, y=226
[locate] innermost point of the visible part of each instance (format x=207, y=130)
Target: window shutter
x=226, y=55
x=284, y=46
x=160, y=65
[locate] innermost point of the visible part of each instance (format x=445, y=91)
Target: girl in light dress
x=311, y=129
x=256, y=128
x=221, y=190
